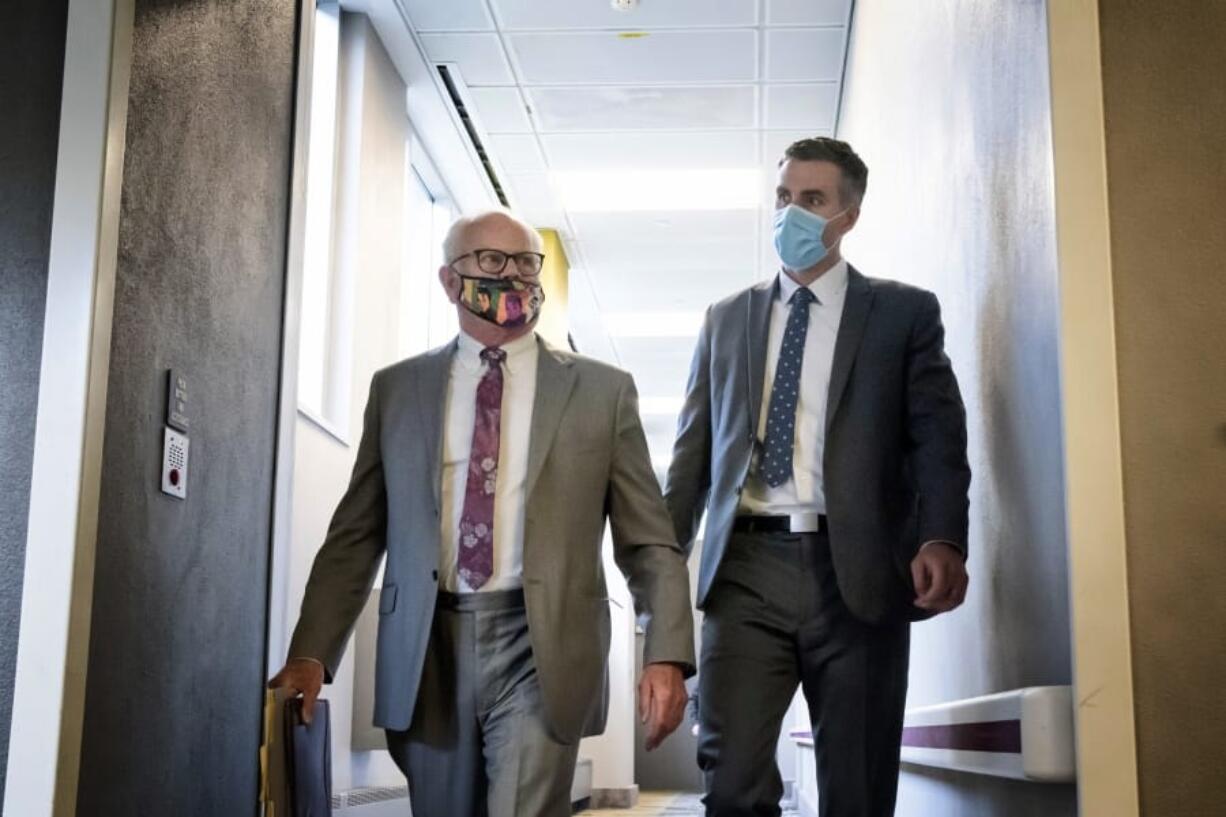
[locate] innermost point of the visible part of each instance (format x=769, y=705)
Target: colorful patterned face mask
x=506, y=302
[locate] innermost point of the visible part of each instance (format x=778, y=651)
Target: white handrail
x=1026, y=734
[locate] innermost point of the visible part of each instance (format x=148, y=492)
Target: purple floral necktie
x=476, y=559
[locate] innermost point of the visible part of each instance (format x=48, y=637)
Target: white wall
x=612, y=753
x=955, y=127
x=370, y=211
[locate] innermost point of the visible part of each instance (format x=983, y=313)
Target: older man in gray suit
x=824, y=436
x=486, y=472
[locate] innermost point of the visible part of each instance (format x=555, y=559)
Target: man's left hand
x=939, y=573
x=662, y=699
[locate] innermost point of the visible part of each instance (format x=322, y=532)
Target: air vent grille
x=365, y=797
x=449, y=82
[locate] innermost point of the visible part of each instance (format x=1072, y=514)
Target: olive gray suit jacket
x=894, y=461
x=587, y=461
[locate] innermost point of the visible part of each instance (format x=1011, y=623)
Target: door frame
x=1098, y=575
x=58, y=578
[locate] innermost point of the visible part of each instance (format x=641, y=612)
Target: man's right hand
x=303, y=676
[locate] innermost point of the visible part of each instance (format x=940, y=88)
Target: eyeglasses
x=493, y=262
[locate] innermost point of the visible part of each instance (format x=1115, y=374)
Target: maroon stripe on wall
x=985, y=736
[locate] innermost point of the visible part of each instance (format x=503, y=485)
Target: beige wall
x=1165, y=113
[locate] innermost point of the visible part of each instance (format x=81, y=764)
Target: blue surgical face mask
x=798, y=236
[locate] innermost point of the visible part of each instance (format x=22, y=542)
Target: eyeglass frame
x=507, y=256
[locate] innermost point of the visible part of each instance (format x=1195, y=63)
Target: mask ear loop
x=830, y=221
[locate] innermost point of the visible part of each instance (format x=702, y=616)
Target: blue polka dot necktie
x=775, y=467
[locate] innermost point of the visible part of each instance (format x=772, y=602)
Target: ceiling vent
x=453, y=85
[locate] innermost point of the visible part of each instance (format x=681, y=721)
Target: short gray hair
x=452, y=240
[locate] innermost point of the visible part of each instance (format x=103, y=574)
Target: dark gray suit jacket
x=894, y=463
x=587, y=462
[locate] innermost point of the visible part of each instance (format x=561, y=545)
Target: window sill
x=324, y=426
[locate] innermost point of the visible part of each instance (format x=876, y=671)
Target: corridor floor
x=661, y=804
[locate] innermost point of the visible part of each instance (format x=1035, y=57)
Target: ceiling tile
x=541, y=217
x=554, y=14
x=738, y=253
x=807, y=12
x=480, y=56
x=501, y=110
x=664, y=226
x=534, y=200
x=644, y=108
x=804, y=54
x=774, y=142
x=454, y=15
x=796, y=107
x=600, y=151
x=663, y=57
x=621, y=289
x=517, y=153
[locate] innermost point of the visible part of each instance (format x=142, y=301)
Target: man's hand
x=303, y=676
x=939, y=573
x=662, y=699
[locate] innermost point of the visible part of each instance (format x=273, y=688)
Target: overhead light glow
x=660, y=405
x=653, y=324
x=623, y=191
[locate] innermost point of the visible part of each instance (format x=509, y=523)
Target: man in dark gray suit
x=824, y=436
x=486, y=472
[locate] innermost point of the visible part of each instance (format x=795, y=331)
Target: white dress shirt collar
x=826, y=288
x=468, y=352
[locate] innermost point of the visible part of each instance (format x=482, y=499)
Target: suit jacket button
x=434, y=575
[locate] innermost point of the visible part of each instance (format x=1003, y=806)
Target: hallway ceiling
x=648, y=139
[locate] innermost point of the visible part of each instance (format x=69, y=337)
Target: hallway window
x=322, y=386
x=428, y=318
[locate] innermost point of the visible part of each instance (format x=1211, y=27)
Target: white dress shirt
x=805, y=492
x=518, y=394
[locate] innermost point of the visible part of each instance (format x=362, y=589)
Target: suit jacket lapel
x=851, y=329
x=757, y=334
x=432, y=399
x=555, y=377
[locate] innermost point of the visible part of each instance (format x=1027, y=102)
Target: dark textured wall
x=1165, y=109
x=32, y=49
x=176, y=663
x=948, y=103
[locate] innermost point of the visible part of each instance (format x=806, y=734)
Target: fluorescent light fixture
x=622, y=191
x=653, y=324
x=660, y=405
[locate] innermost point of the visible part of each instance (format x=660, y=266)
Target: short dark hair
x=825, y=149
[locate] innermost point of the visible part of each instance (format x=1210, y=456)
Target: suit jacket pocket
x=387, y=599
